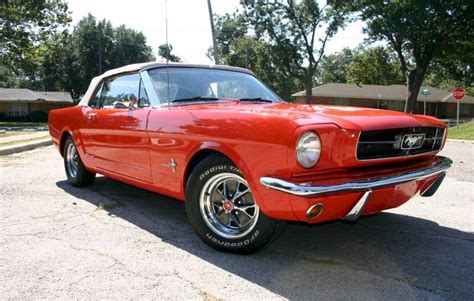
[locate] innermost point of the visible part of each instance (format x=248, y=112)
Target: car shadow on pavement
x=305, y=262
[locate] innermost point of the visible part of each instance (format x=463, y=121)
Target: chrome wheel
x=72, y=160
x=227, y=206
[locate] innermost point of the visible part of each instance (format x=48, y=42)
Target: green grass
x=23, y=124
x=465, y=131
x=3, y=144
x=16, y=133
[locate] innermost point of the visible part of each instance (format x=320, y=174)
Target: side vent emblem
x=172, y=165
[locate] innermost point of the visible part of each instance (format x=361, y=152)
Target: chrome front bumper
x=363, y=185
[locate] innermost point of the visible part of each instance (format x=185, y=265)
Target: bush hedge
x=38, y=116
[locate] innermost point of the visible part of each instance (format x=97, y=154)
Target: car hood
x=346, y=117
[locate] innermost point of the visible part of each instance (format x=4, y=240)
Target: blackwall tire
x=221, y=209
x=76, y=172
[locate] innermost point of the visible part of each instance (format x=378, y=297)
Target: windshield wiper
x=256, y=99
x=195, y=98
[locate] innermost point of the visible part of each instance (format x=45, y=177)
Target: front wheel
x=76, y=172
x=221, y=208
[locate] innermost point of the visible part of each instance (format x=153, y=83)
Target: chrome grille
x=399, y=142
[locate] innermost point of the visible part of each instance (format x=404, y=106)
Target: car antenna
x=167, y=56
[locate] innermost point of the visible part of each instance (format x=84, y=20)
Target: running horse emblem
x=412, y=141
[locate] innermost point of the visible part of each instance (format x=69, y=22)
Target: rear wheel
x=76, y=172
x=221, y=208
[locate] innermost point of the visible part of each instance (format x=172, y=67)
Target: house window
x=341, y=102
x=464, y=109
x=17, y=109
x=396, y=105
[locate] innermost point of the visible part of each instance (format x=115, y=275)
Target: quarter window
x=120, y=92
x=95, y=102
x=143, y=100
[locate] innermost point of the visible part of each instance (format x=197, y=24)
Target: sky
x=188, y=23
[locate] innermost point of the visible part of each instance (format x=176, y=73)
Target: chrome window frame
x=144, y=77
x=154, y=100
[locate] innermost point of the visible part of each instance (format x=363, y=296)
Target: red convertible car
x=242, y=159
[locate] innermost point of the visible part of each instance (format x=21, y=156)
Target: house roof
x=9, y=94
x=391, y=92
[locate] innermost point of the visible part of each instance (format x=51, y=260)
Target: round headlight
x=308, y=149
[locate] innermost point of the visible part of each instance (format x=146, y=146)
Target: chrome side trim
x=359, y=207
x=363, y=185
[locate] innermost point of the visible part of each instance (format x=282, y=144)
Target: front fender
x=227, y=151
x=270, y=207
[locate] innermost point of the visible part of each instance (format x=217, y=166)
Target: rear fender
x=76, y=138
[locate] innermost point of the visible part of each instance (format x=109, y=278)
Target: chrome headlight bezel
x=308, y=149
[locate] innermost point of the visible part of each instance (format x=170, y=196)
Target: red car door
x=116, y=136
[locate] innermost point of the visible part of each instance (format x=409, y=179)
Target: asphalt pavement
x=114, y=241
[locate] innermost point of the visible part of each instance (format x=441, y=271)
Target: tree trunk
x=415, y=80
x=75, y=97
x=308, y=85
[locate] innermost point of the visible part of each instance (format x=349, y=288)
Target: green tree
x=334, y=66
x=421, y=30
x=25, y=75
x=130, y=46
x=24, y=24
x=239, y=48
x=90, y=52
x=93, y=47
x=68, y=61
x=8, y=79
x=229, y=28
x=290, y=28
x=455, y=69
x=374, y=66
x=165, y=50
x=58, y=65
x=252, y=54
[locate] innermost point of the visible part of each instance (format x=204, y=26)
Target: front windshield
x=188, y=83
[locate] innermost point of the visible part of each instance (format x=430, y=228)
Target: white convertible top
x=141, y=66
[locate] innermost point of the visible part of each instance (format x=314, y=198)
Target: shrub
x=38, y=116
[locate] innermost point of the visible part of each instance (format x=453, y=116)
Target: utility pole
x=378, y=101
x=247, y=55
x=407, y=84
x=425, y=93
x=213, y=31
x=100, y=48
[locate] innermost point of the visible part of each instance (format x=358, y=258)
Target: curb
x=24, y=147
x=460, y=140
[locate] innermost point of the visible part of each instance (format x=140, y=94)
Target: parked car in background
x=241, y=158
